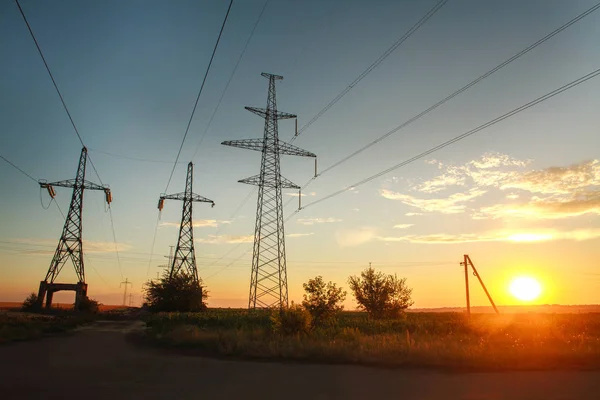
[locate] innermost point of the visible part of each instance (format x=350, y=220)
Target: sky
x=520, y=197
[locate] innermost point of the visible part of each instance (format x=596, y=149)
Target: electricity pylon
x=268, y=282
x=185, y=256
x=70, y=245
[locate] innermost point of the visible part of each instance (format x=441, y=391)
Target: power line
x=18, y=169
x=463, y=136
x=230, y=78
x=374, y=65
x=451, y=96
x=464, y=88
x=62, y=100
x=187, y=129
x=132, y=158
x=112, y=224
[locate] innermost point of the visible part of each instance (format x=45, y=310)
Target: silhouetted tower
x=268, y=282
x=185, y=256
x=70, y=245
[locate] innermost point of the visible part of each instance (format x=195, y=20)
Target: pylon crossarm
x=291, y=150
x=249, y=144
x=200, y=199
x=71, y=183
x=255, y=180
x=176, y=196
x=263, y=113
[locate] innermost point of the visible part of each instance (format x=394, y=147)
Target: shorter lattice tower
x=70, y=245
x=185, y=256
x=268, y=282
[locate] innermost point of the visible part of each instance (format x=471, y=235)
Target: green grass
x=440, y=340
x=16, y=326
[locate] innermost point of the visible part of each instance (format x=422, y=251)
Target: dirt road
x=96, y=362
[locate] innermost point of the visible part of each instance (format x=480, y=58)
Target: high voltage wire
x=374, y=65
x=230, y=78
x=454, y=94
x=133, y=158
x=464, y=88
x=187, y=129
x=62, y=100
x=19, y=169
x=463, y=136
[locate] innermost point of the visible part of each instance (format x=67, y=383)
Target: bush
x=380, y=295
x=89, y=305
x=30, y=303
x=293, y=320
x=180, y=292
x=322, y=300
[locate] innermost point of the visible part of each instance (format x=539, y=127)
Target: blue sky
x=130, y=71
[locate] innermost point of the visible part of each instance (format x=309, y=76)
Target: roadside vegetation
x=17, y=326
x=27, y=323
x=384, y=333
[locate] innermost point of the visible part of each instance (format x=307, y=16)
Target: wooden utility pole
x=468, y=263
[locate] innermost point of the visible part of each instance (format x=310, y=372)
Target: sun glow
x=525, y=288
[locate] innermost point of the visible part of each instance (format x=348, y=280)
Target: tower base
x=48, y=289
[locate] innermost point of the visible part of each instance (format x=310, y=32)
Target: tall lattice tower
x=268, y=282
x=185, y=255
x=70, y=245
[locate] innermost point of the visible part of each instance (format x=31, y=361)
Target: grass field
x=15, y=305
x=439, y=340
x=17, y=326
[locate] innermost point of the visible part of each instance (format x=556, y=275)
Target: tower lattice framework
x=70, y=245
x=268, y=282
x=185, y=255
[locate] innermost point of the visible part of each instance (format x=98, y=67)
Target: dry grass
x=449, y=340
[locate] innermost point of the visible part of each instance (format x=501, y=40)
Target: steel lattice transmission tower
x=185, y=256
x=70, y=245
x=268, y=282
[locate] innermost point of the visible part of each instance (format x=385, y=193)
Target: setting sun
x=525, y=288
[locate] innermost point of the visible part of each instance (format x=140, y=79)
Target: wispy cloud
x=295, y=194
x=198, y=223
x=312, y=221
x=403, y=226
x=452, y=204
x=300, y=234
x=354, y=237
x=225, y=239
x=89, y=246
x=550, y=208
x=558, y=180
x=525, y=236
x=549, y=193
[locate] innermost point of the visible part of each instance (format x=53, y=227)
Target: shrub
x=89, y=305
x=380, y=295
x=180, y=292
x=293, y=320
x=322, y=300
x=30, y=302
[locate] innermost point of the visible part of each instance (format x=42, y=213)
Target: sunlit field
x=438, y=340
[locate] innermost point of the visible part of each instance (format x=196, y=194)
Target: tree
x=322, y=300
x=379, y=294
x=178, y=293
x=30, y=303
